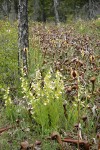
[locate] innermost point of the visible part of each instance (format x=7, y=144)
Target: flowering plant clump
x=10, y=109
x=46, y=99
x=7, y=98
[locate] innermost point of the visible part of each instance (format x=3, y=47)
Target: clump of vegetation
x=46, y=100
x=8, y=54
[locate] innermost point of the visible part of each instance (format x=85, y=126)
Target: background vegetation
x=40, y=10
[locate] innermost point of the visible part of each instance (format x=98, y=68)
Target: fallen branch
x=82, y=143
x=5, y=129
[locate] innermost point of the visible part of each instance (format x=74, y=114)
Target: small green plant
x=9, y=107
x=13, y=111
x=50, y=145
x=46, y=99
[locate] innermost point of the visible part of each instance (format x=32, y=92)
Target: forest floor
x=70, y=49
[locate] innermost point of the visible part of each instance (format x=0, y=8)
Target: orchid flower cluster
x=7, y=97
x=46, y=98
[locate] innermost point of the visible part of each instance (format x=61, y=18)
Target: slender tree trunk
x=91, y=9
x=56, y=12
x=43, y=12
x=36, y=10
x=23, y=37
x=12, y=14
x=5, y=8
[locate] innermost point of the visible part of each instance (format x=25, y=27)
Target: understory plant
x=45, y=99
x=8, y=54
x=13, y=109
x=9, y=107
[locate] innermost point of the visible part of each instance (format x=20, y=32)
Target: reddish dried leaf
x=82, y=143
x=5, y=129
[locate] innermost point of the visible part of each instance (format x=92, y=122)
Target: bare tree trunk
x=5, y=8
x=23, y=36
x=12, y=14
x=43, y=12
x=91, y=9
x=36, y=10
x=56, y=12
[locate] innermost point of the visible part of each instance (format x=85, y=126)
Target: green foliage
x=46, y=99
x=12, y=111
x=48, y=146
x=36, y=58
x=8, y=53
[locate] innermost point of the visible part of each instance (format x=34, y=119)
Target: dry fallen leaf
x=24, y=145
x=5, y=129
x=37, y=145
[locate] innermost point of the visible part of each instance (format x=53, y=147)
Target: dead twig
x=5, y=129
x=84, y=144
